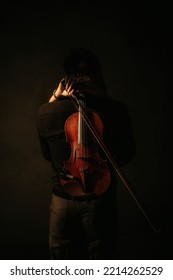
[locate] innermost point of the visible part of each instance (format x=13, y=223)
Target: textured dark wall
x=132, y=44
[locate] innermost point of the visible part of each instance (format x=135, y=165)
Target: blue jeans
x=82, y=229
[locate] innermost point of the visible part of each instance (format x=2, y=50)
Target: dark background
x=133, y=43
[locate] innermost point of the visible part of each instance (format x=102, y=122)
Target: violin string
x=82, y=130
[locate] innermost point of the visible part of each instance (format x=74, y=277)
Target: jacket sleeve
x=42, y=139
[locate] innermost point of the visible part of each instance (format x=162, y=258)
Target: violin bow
x=115, y=166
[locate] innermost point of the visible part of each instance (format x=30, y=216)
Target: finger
x=71, y=92
x=68, y=92
x=70, y=81
x=63, y=83
x=70, y=87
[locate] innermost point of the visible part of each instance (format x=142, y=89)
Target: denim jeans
x=82, y=229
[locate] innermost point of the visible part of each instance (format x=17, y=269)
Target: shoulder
x=119, y=106
x=52, y=107
x=113, y=106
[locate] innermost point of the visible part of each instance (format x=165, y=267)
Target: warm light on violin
x=89, y=171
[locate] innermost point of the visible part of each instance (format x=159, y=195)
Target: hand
x=62, y=91
x=67, y=89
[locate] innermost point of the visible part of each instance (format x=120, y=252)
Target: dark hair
x=81, y=61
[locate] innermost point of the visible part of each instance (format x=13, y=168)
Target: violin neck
x=82, y=128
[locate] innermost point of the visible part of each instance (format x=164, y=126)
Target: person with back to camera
x=83, y=222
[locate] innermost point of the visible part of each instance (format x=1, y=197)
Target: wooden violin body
x=89, y=172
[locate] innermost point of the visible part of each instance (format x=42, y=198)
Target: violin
x=85, y=171
x=89, y=172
